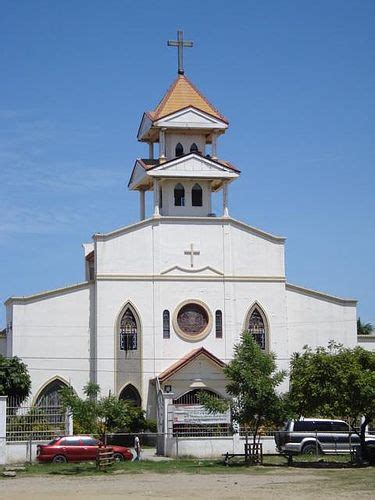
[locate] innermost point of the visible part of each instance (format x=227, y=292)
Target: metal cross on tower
x=180, y=43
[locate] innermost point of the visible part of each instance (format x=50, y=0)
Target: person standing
x=137, y=448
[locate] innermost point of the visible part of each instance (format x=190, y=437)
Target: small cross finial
x=180, y=43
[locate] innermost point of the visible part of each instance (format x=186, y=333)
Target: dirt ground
x=301, y=484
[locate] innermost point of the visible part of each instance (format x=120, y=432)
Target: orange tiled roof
x=182, y=94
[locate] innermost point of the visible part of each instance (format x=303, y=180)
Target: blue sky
x=296, y=80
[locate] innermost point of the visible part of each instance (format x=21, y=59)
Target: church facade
x=165, y=299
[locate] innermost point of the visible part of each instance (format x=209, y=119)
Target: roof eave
x=217, y=118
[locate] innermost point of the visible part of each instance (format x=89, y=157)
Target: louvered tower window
x=179, y=195
x=179, y=149
x=196, y=196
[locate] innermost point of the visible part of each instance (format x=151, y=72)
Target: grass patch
x=187, y=465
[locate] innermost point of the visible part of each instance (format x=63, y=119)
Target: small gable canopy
x=186, y=360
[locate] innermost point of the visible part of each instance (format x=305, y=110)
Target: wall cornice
x=168, y=277
x=41, y=295
x=188, y=220
x=321, y=295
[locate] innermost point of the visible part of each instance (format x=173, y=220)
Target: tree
x=14, y=378
x=100, y=415
x=252, y=382
x=364, y=328
x=334, y=382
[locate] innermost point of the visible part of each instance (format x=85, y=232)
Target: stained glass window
x=50, y=395
x=193, y=148
x=51, y=403
x=166, y=325
x=257, y=328
x=192, y=319
x=128, y=332
x=219, y=324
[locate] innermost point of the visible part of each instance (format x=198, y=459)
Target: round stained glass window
x=192, y=320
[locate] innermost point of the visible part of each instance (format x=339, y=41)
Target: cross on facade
x=180, y=43
x=192, y=252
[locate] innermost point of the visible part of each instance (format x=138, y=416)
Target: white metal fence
x=27, y=422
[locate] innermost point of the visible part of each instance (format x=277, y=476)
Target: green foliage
x=14, y=378
x=100, y=415
x=150, y=425
x=334, y=382
x=252, y=382
x=364, y=328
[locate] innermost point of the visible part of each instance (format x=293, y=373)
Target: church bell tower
x=186, y=168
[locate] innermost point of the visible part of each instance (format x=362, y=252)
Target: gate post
x=3, y=429
x=168, y=430
x=68, y=423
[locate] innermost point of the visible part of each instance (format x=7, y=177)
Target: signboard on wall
x=197, y=414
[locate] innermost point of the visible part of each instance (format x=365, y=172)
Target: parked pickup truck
x=312, y=435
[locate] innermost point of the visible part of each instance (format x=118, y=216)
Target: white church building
x=165, y=299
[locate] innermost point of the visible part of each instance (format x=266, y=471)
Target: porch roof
x=185, y=360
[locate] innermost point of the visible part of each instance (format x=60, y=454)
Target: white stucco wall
x=19, y=452
x=51, y=333
x=168, y=207
x=147, y=267
x=156, y=245
x=186, y=139
x=202, y=447
x=315, y=320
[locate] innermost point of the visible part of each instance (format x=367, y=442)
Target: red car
x=76, y=449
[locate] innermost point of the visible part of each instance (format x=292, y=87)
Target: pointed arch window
x=196, y=196
x=166, y=325
x=179, y=195
x=193, y=148
x=50, y=402
x=128, y=332
x=50, y=394
x=257, y=328
x=179, y=149
x=130, y=394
